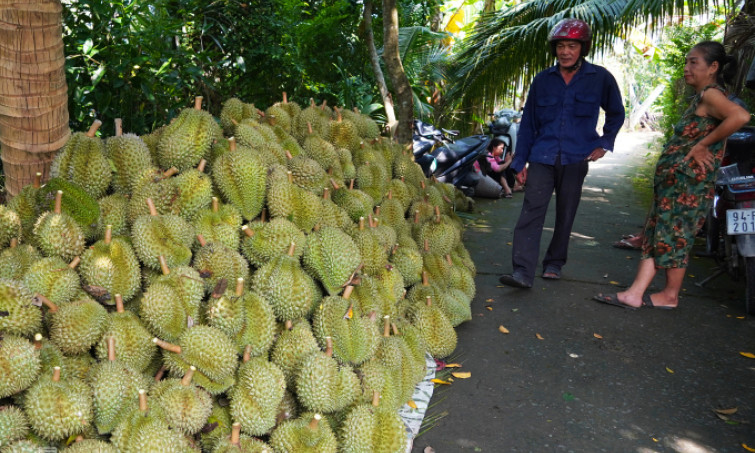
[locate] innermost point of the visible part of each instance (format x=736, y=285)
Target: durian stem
x=202, y=164
x=390, y=195
x=340, y=118
x=186, y=380
x=232, y=143
x=329, y=346
x=215, y=204
x=290, y=176
x=447, y=200
x=347, y=292
x=351, y=184
x=285, y=98
x=312, y=102
x=108, y=234
x=56, y=374
x=247, y=231
x=236, y=434
x=422, y=185
x=163, y=265
x=334, y=184
x=315, y=421
x=370, y=221
x=79, y=438
x=46, y=302
x=37, y=180
x=220, y=288
x=119, y=303
x=111, y=349
x=394, y=328
x=309, y=128
x=377, y=210
x=247, y=353
x=143, y=401
x=13, y=243
x=160, y=373
x=316, y=227
x=425, y=278
x=428, y=301
x=324, y=104
x=263, y=215
x=437, y=214
x=38, y=341
x=386, y=326
x=449, y=260
x=260, y=113
x=375, y=398
x=289, y=324
x=361, y=224
x=416, y=217
x=198, y=102
x=152, y=208
x=174, y=348
x=394, y=249
x=291, y=248
x=426, y=245
x=288, y=155
x=58, y=202
x=239, y=287
x=93, y=128
x=326, y=194
x=118, y=126
x=170, y=172
x=201, y=240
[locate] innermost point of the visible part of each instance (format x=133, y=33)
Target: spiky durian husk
x=405, y=169
x=166, y=235
x=130, y=157
x=376, y=377
x=15, y=261
x=54, y=279
x=437, y=332
x=246, y=444
x=323, y=385
x=320, y=150
x=26, y=205
x=308, y=174
x=10, y=226
x=59, y=235
x=258, y=330
x=260, y=386
x=355, y=202
x=77, y=325
x=195, y=193
x=232, y=111
x=240, y=177
x=290, y=291
x=161, y=190
x=276, y=115
x=23, y=317
x=291, y=348
x=115, y=388
x=408, y=261
x=226, y=313
x=13, y=425
x=297, y=435
x=372, y=429
x=187, y=139
x=113, y=212
x=355, y=337
x=82, y=161
x=374, y=256
x=331, y=256
x=112, y=266
x=272, y=239
x=186, y=407
x=215, y=262
x=90, y=446
x=133, y=342
x=148, y=431
x=170, y=301
x=19, y=366
x=402, y=192
x=58, y=409
x=76, y=202
x=312, y=115
x=221, y=226
x=344, y=134
x=334, y=216
x=216, y=430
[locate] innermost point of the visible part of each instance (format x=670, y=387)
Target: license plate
x=740, y=221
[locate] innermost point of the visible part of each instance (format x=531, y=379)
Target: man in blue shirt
x=558, y=138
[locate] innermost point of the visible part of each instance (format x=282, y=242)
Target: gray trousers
x=542, y=180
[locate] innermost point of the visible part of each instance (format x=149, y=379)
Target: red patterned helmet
x=573, y=29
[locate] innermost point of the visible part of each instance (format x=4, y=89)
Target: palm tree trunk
x=33, y=90
x=390, y=115
x=401, y=87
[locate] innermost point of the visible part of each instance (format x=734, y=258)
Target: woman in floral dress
x=684, y=180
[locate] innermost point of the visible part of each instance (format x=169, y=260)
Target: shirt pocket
x=547, y=108
x=585, y=105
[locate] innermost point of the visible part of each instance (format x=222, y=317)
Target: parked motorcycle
x=730, y=226
x=426, y=137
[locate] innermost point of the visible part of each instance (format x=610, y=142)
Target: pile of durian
x=263, y=281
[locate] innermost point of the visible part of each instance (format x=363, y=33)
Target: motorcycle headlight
x=433, y=166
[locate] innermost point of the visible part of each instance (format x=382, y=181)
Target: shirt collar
x=587, y=68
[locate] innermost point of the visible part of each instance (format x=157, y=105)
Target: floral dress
x=682, y=191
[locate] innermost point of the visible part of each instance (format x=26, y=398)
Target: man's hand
x=596, y=154
x=521, y=177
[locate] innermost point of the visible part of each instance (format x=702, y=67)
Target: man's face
x=568, y=52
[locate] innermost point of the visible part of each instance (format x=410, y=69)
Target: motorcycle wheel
x=750, y=285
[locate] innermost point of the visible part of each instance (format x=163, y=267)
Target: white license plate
x=740, y=221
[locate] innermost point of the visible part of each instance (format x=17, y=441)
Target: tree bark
x=390, y=114
x=401, y=88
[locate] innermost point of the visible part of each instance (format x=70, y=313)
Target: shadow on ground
x=575, y=375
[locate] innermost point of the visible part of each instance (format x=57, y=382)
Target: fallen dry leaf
x=731, y=411
x=411, y=404
x=461, y=374
x=453, y=365
x=613, y=282
x=749, y=355
x=489, y=300
x=722, y=417
x=489, y=308
x=598, y=336
x=440, y=381
x=669, y=370
x=508, y=243
x=740, y=317
x=744, y=445
x=429, y=450
x=503, y=329
x=539, y=337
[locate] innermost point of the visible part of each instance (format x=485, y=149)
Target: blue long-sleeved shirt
x=562, y=119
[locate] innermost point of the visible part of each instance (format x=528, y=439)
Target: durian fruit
x=373, y=179
x=456, y=310
x=13, y=425
x=57, y=234
x=144, y=429
x=307, y=173
x=295, y=342
x=130, y=157
x=82, y=161
x=332, y=257
x=304, y=435
x=270, y=239
x=54, y=279
x=187, y=139
x=402, y=192
x=277, y=115
x=215, y=262
x=348, y=169
x=355, y=336
x=26, y=205
x=10, y=226
x=218, y=427
x=115, y=388
x=290, y=290
x=194, y=191
x=395, y=354
x=260, y=386
x=322, y=151
x=436, y=330
x=405, y=169
x=355, y=202
x=292, y=108
x=234, y=111
x=20, y=316
x=407, y=261
x=113, y=212
x=112, y=264
x=372, y=428
x=170, y=305
x=162, y=235
x=240, y=443
x=441, y=235
x=77, y=325
x=219, y=224
x=225, y=310
x=258, y=329
x=185, y=405
x=133, y=342
x=90, y=446
x=248, y=134
x=311, y=121
x=19, y=366
x=392, y=212
x=367, y=128
x=323, y=385
x=209, y=350
x=240, y=177
x=333, y=215
x=157, y=185
x=16, y=260
x=374, y=255
x=75, y=202
x=151, y=140
x=58, y=408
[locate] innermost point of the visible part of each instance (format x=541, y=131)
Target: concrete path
x=574, y=375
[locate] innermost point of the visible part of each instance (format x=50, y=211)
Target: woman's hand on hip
x=702, y=155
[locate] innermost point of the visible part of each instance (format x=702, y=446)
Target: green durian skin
x=13, y=425
x=15, y=261
x=195, y=193
x=332, y=256
x=22, y=446
x=186, y=407
x=23, y=317
x=355, y=338
x=59, y=235
x=215, y=261
x=296, y=436
x=25, y=204
x=259, y=328
x=324, y=386
x=241, y=178
x=90, y=446
x=82, y=161
x=113, y=212
x=226, y=313
x=219, y=430
x=292, y=347
x=187, y=139
x=369, y=429
x=221, y=226
x=115, y=388
x=113, y=266
x=291, y=292
x=58, y=410
x=167, y=235
x=272, y=239
x=130, y=157
x=52, y=278
x=259, y=390
x=77, y=325
x=246, y=445
x=10, y=226
x=438, y=333
x=133, y=342
x=20, y=365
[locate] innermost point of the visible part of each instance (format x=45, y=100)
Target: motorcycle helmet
x=572, y=29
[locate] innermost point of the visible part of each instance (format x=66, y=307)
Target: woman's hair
x=727, y=64
x=495, y=142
